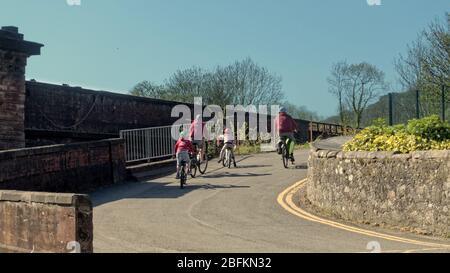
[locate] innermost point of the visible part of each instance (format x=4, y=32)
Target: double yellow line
x=285, y=200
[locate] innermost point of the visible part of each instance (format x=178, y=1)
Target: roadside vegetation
x=361, y=89
x=429, y=133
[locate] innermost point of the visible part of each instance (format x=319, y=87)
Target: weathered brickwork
x=78, y=167
x=45, y=222
x=64, y=114
x=408, y=191
x=12, y=99
x=13, y=59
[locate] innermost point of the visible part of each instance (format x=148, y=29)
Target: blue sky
x=113, y=44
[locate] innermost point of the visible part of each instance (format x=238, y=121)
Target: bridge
x=246, y=209
x=66, y=155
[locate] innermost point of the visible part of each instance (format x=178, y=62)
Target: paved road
x=332, y=143
x=225, y=211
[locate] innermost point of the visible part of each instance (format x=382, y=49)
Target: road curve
x=226, y=210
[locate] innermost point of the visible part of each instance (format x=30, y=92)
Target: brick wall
x=14, y=52
x=12, y=99
x=78, y=167
x=63, y=114
x=45, y=222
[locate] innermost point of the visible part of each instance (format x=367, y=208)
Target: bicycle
x=193, y=166
x=286, y=157
x=228, y=157
x=183, y=175
x=200, y=163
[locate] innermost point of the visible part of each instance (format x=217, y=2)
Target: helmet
x=227, y=130
x=283, y=110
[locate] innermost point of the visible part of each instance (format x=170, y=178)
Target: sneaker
x=177, y=176
x=292, y=159
x=220, y=160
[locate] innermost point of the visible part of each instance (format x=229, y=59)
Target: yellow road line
x=285, y=200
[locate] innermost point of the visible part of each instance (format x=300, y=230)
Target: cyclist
x=228, y=142
x=286, y=127
x=196, y=134
x=182, y=148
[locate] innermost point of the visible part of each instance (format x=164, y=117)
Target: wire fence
x=398, y=108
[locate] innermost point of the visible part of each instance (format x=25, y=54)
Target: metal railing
x=150, y=143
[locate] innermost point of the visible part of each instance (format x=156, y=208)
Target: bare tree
x=410, y=66
x=186, y=84
x=248, y=83
x=243, y=82
x=301, y=112
x=150, y=90
x=366, y=83
x=338, y=82
x=437, y=60
x=426, y=65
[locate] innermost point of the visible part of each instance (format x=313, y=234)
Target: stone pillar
x=14, y=51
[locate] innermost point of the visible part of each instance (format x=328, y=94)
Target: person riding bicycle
x=228, y=143
x=183, y=148
x=196, y=134
x=286, y=127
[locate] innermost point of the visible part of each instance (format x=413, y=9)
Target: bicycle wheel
x=228, y=158
x=182, y=177
x=193, y=169
x=203, y=162
x=285, y=156
x=224, y=157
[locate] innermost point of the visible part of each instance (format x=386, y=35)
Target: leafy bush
x=429, y=133
x=430, y=128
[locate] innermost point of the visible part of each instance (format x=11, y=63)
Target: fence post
x=443, y=102
x=310, y=131
x=391, y=118
x=417, y=104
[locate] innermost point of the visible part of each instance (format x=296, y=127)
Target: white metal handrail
x=150, y=143
x=153, y=142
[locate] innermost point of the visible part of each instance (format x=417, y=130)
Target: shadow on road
x=158, y=190
x=227, y=174
x=301, y=166
x=162, y=190
x=252, y=166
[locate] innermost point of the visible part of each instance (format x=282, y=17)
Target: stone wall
x=408, y=191
x=45, y=222
x=78, y=167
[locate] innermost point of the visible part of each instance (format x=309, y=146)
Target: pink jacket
x=285, y=123
x=196, y=126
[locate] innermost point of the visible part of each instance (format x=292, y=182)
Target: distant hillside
x=404, y=108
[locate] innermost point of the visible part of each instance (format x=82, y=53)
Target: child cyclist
x=228, y=142
x=182, y=149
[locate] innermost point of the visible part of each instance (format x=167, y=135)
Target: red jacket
x=285, y=123
x=184, y=145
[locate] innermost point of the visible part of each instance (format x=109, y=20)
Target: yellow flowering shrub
x=429, y=133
